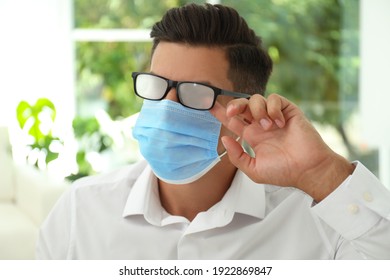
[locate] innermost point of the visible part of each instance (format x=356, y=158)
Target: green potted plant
x=37, y=121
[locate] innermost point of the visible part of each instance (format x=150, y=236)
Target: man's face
x=181, y=62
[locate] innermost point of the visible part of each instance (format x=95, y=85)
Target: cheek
x=224, y=132
x=224, y=100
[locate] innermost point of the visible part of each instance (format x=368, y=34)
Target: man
x=199, y=195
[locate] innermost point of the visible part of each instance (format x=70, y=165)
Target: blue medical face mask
x=179, y=143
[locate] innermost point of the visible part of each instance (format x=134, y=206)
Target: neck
x=189, y=200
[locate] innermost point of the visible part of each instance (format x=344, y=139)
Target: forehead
x=183, y=62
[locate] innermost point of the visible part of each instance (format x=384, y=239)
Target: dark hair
x=219, y=26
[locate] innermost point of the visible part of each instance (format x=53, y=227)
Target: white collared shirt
x=119, y=216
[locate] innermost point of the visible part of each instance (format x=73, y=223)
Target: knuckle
x=274, y=96
x=274, y=113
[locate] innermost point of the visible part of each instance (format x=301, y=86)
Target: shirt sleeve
x=359, y=211
x=54, y=234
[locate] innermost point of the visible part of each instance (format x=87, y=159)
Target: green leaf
x=42, y=105
x=23, y=113
x=35, y=131
x=51, y=156
x=83, y=126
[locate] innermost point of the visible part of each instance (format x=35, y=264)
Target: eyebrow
x=187, y=81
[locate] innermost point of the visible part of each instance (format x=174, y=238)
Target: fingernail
x=229, y=109
x=279, y=123
x=265, y=123
x=223, y=142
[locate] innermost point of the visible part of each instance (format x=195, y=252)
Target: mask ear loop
x=246, y=147
x=225, y=152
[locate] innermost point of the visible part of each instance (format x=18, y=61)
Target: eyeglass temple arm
x=235, y=94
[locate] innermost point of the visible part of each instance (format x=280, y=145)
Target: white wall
x=375, y=79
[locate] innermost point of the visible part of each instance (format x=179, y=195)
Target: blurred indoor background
x=67, y=104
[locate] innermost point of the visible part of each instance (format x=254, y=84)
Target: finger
x=258, y=107
x=239, y=107
x=275, y=106
x=234, y=124
x=238, y=156
x=219, y=112
x=254, y=109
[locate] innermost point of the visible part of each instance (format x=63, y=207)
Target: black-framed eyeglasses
x=193, y=95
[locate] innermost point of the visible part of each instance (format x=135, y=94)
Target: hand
x=288, y=150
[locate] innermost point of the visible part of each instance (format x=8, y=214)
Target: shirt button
x=353, y=208
x=367, y=196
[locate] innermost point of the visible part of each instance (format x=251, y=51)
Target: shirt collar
x=251, y=197
x=144, y=198
x=244, y=196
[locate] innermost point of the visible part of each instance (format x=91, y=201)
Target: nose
x=172, y=95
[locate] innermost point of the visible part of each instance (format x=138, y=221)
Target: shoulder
x=128, y=172
x=117, y=182
x=86, y=206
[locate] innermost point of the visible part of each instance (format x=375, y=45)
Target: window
x=316, y=59
x=111, y=41
x=81, y=53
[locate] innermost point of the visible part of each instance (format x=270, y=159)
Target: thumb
x=238, y=156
